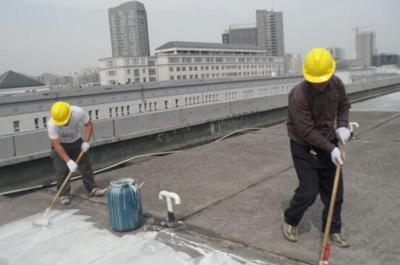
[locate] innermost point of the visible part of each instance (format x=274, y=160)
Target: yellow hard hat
x=319, y=66
x=60, y=113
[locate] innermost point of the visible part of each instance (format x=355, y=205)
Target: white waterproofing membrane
x=71, y=239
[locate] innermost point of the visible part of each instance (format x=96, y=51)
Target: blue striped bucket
x=124, y=205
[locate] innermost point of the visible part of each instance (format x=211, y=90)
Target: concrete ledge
x=31, y=146
x=6, y=147
x=29, y=143
x=205, y=113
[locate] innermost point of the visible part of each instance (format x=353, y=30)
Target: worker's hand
x=85, y=147
x=343, y=134
x=336, y=157
x=72, y=166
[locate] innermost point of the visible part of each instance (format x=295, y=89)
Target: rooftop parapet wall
x=34, y=145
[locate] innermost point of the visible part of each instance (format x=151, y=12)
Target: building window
x=183, y=68
x=178, y=77
x=140, y=108
x=166, y=104
x=186, y=101
x=16, y=126
x=36, y=123
x=190, y=68
x=171, y=77
x=171, y=69
x=144, y=70
x=173, y=59
x=155, y=106
x=184, y=77
x=110, y=111
x=150, y=106
x=111, y=73
x=128, y=109
x=116, y=111
x=128, y=71
x=178, y=69
x=90, y=114
x=44, y=119
x=195, y=68
x=122, y=110
x=176, y=102
x=96, y=113
x=145, y=107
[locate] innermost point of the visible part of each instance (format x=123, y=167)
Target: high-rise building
x=270, y=32
x=129, y=31
x=240, y=34
x=337, y=53
x=365, y=47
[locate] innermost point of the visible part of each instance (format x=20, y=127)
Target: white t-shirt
x=70, y=132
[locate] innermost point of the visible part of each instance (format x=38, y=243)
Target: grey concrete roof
x=234, y=192
x=207, y=45
x=12, y=79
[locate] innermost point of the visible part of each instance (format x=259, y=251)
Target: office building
x=337, y=53
x=191, y=60
x=240, y=34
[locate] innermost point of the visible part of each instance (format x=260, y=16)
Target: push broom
x=44, y=221
x=326, y=244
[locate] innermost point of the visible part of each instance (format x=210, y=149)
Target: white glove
x=72, y=166
x=335, y=156
x=85, y=147
x=343, y=134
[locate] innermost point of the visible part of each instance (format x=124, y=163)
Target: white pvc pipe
x=170, y=195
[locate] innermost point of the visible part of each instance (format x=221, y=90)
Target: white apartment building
x=191, y=60
x=126, y=70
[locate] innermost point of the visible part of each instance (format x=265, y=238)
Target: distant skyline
x=59, y=37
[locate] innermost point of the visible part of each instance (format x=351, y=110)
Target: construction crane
x=356, y=28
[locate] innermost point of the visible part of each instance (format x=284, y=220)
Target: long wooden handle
x=65, y=181
x=331, y=207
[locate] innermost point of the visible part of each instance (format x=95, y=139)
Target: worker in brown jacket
x=318, y=119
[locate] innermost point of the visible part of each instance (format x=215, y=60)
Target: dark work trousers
x=316, y=173
x=73, y=150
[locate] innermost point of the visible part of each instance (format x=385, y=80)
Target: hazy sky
x=60, y=36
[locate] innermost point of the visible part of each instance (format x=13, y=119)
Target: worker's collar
x=320, y=87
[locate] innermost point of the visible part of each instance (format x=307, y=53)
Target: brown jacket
x=312, y=113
